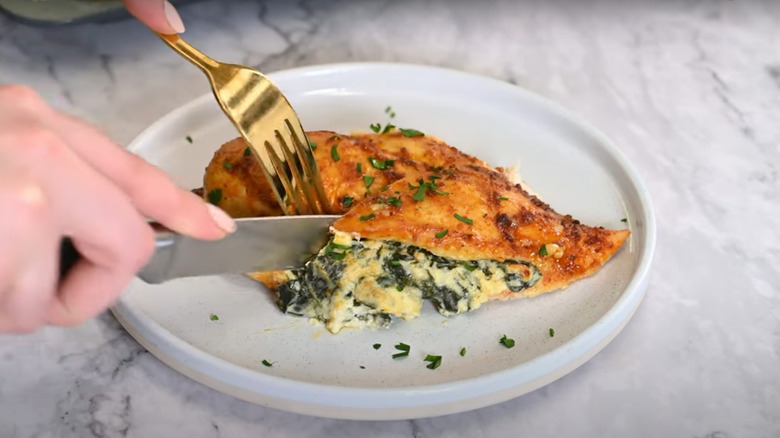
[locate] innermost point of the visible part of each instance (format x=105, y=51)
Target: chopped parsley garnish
x=394, y=200
x=441, y=234
x=411, y=133
x=268, y=364
x=215, y=196
x=376, y=127
x=359, y=168
x=381, y=165
x=423, y=188
x=399, y=287
x=624, y=220
x=388, y=109
x=334, y=153
x=214, y=317
x=552, y=332
x=362, y=367
x=377, y=346
x=189, y=139
x=434, y=361
x=368, y=180
x=404, y=350
x=312, y=145
x=464, y=219
x=506, y=342
x=389, y=127
x=228, y=165
x=247, y=152
x=384, y=189
x=332, y=248
x=463, y=351
x=346, y=201
x=543, y=250
x=395, y=263
x=367, y=218
x=503, y=198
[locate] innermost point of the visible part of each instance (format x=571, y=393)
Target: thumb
x=160, y=15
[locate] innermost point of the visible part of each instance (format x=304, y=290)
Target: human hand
x=159, y=15
x=60, y=177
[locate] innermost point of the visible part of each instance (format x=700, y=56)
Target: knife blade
x=258, y=244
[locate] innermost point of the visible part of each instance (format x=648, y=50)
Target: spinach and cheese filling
x=362, y=283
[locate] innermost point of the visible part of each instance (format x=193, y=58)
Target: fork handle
x=190, y=53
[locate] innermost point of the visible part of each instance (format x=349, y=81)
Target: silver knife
x=258, y=244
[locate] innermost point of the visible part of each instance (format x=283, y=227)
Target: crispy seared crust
x=508, y=223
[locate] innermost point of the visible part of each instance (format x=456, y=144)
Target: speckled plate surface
x=567, y=162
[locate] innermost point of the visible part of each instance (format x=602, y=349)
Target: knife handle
x=69, y=255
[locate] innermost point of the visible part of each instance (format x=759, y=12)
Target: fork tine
x=277, y=186
x=282, y=168
x=294, y=163
x=310, y=170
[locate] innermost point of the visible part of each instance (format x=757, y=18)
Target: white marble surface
x=691, y=92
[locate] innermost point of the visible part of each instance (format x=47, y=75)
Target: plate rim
x=525, y=377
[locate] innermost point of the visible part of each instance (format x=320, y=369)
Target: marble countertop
x=690, y=90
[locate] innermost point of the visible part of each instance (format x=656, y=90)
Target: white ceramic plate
x=576, y=169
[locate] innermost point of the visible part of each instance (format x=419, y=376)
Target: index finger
x=149, y=188
x=159, y=15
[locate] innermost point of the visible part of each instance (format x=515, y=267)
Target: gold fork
x=270, y=126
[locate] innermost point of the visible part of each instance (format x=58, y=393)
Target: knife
x=258, y=244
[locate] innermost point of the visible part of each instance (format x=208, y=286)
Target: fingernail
x=173, y=18
x=224, y=222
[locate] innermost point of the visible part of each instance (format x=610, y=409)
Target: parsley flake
x=359, y=168
x=312, y=145
x=215, y=196
x=347, y=201
x=247, y=152
x=334, y=153
x=368, y=180
x=376, y=127
x=377, y=346
x=506, y=342
x=189, y=139
x=362, y=367
x=404, y=350
x=463, y=351
x=228, y=165
x=552, y=332
x=503, y=198
x=389, y=127
x=268, y=364
x=434, y=361
x=543, y=250
x=367, y=218
x=411, y=133
x=624, y=220
x=214, y=317
x=399, y=287
x=464, y=219
x=381, y=165
x=394, y=200
x=441, y=234
x=331, y=250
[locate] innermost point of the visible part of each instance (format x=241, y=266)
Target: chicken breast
x=421, y=220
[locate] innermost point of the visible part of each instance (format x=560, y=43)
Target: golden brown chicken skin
x=423, y=192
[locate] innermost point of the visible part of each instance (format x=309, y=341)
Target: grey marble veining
x=690, y=90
